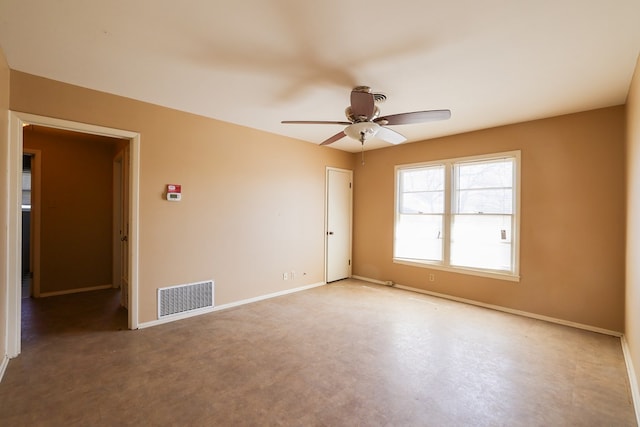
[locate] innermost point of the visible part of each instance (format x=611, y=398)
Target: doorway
x=30, y=206
x=338, y=232
x=26, y=263
x=14, y=195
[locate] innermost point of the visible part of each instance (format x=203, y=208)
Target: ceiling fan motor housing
x=355, y=119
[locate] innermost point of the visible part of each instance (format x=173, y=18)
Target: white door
x=121, y=225
x=117, y=221
x=124, y=229
x=338, y=232
x=36, y=172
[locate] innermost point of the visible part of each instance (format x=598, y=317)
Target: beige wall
x=572, y=217
x=632, y=321
x=4, y=143
x=76, y=208
x=253, y=205
x=253, y=202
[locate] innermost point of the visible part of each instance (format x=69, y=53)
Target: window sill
x=461, y=270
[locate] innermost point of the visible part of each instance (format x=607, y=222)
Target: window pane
x=419, y=237
x=26, y=188
x=485, y=201
x=484, y=187
x=422, y=179
x=422, y=190
x=481, y=241
x=489, y=174
x=422, y=202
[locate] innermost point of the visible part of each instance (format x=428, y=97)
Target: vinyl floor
x=346, y=354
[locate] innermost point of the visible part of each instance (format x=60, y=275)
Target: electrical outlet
x=432, y=277
x=285, y=276
x=293, y=275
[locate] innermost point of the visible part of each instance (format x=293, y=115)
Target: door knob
x=330, y=233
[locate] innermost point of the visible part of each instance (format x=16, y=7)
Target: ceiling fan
x=364, y=119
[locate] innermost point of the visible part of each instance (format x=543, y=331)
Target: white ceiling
x=257, y=62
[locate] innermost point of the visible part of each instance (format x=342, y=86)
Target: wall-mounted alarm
x=174, y=192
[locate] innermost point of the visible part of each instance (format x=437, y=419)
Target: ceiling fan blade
x=314, y=122
x=389, y=135
x=334, y=138
x=362, y=104
x=415, y=117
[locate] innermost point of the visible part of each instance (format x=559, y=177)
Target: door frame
x=14, y=192
x=326, y=220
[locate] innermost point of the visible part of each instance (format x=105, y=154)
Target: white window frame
x=444, y=265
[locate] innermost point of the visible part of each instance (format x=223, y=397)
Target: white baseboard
x=499, y=308
x=227, y=306
x=176, y=317
x=370, y=280
x=75, y=291
x=633, y=380
x=268, y=296
x=3, y=365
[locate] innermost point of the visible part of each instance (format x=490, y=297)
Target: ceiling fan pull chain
x=362, y=142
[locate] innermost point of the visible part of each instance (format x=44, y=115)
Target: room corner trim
x=229, y=305
x=500, y=308
x=633, y=382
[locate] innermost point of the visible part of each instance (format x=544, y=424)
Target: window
x=27, y=160
x=460, y=215
x=26, y=190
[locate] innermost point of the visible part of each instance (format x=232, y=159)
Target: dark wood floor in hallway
x=346, y=354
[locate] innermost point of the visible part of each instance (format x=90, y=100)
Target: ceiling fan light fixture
x=362, y=130
x=364, y=121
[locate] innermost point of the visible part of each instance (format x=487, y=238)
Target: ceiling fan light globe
x=360, y=129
